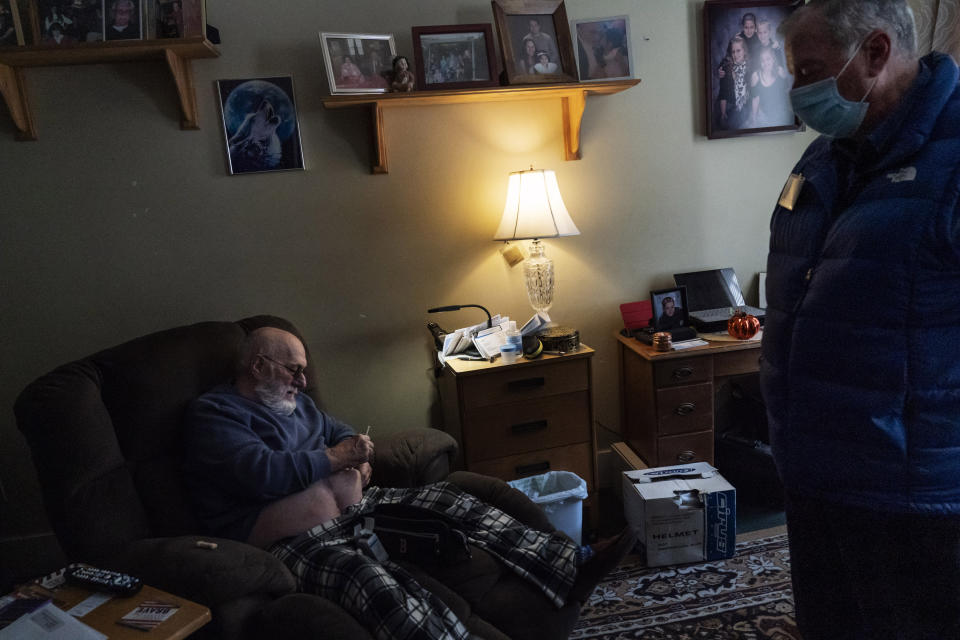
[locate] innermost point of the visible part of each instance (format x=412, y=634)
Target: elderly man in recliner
x=266, y=466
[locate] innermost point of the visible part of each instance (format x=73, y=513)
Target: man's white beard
x=273, y=394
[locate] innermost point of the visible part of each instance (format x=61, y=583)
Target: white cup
x=510, y=353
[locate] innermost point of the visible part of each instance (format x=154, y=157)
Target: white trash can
x=561, y=495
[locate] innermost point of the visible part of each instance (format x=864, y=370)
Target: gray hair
x=851, y=21
x=259, y=341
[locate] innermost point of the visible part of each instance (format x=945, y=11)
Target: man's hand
x=363, y=443
x=351, y=452
x=366, y=472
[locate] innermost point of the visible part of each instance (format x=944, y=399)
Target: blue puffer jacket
x=861, y=347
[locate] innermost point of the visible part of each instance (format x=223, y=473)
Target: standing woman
x=769, y=89
x=734, y=91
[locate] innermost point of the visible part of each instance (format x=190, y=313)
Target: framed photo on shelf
x=122, y=20
x=747, y=84
x=260, y=124
x=179, y=18
x=358, y=63
x=535, y=41
x=669, y=308
x=603, y=48
x=11, y=29
x=54, y=22
x=454, y=56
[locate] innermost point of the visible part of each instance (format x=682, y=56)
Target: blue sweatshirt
x=241, y=456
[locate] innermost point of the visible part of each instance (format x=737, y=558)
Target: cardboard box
x=622, y=458
x=686, y=513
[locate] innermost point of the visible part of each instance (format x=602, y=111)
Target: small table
x=188, y=618
x=667, y=398
x=524, y=418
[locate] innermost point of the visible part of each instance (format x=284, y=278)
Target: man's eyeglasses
x=294, y=371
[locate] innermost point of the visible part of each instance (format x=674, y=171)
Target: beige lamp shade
x=534, y=208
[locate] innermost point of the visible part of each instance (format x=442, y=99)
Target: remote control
x=104, y=580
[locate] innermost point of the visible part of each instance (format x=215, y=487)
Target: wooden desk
x=188, y=618
x=667, y=398
x=522, y=419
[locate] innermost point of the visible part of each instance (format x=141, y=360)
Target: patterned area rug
x=746, y=597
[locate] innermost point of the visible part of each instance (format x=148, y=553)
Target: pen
x=367, y=432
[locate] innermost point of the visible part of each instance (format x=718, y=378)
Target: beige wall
x=115, y=223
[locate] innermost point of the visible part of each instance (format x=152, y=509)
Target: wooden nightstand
x=522, y=419
x=667, y=399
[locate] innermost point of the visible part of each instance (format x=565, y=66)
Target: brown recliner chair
x=105, y=437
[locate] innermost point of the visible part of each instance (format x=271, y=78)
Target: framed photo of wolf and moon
x=260, y=124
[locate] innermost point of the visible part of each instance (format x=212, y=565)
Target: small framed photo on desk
x=669, y=308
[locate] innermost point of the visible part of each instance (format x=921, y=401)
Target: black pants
x=859, y=573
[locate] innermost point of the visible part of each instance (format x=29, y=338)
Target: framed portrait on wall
x=669, y=308
x=179, y=18
x=260, y=124
x=358, y=63
x=747, y=83
x=454, y=57
x=122, y=20
x=58, y=23
x=535, y=41
x=603, y=48
x=11, y=29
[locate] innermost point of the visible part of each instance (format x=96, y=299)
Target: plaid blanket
x=385, y=598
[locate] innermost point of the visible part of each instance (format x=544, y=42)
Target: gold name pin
x=791, y=191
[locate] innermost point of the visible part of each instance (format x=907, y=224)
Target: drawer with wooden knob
x=691, y=447
x=518, y=427
x=526, y=383
x=685, y=408
x=682, y=371
x=577, y=458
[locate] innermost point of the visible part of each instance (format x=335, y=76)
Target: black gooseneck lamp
x=438, y=333
x=457, y=307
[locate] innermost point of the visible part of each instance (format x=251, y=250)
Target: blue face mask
x=823, y=109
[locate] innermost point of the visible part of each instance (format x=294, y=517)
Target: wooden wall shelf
x=573, y=98
x=178, y=54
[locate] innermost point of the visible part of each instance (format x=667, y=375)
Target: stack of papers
x=486, y=340
x=49, y=623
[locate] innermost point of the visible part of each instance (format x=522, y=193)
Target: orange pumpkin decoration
x=742, y=325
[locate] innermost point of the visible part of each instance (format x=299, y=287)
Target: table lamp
x=535, y=210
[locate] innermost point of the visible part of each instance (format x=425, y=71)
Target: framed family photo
x=603, y=48
x=11, y=29
x=747, y=83
x=454, y=56
x=260, y=124
x=535, y=41
x=58, y=23
x=358, y=63
x=669, y=308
